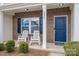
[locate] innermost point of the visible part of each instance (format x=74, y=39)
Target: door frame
x=66, y=27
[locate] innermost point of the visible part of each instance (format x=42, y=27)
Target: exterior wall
x=56, y=12
x=5, y=27
x=75, y=21
x=8, y=28
x=1, y=26
x=50, y=17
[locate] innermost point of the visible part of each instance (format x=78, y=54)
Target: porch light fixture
x=26, y=10
x=61, y=5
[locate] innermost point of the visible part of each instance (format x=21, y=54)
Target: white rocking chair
x=35, y=38
x=23, y=37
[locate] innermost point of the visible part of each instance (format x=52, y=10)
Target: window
x=34, y=24
x=24, y=24
x=30, y=24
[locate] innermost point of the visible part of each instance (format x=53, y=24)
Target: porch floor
x=50, y=47
x=55, y=50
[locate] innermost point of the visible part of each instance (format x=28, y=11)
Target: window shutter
x=41, y=25
x=19, y=25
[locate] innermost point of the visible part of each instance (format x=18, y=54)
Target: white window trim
x=29, y=23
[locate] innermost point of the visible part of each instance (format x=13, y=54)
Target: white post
x=44, y=7
x=29, y=25
x=76, y=22
x=1, y=27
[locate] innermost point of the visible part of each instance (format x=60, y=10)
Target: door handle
x=54, y=28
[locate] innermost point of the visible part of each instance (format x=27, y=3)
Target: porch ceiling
x=20, y=7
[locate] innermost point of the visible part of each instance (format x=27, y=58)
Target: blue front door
x=60, y=29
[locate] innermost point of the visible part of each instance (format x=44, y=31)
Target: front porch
x=51, y=47
x=9, y=25
x=46, y=13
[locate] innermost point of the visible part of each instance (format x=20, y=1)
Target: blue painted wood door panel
x=60, y=29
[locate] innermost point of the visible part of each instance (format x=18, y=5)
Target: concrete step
x=56, y=54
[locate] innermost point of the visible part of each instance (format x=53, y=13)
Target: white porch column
x=29, y=25
x=44, y=7
x=76, y=22
x=1, y=27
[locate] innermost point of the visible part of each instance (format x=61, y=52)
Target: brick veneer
x=50, y=16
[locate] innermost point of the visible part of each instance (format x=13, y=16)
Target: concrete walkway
x=56, y=54
x=53, y=51
x=57, y=51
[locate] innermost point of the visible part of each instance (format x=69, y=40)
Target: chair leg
x=30, y=43
x=39, y=42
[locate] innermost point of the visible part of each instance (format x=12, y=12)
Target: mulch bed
x=32, y=52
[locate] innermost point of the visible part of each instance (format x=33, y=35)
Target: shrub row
x=10, y=46
x=71, y=48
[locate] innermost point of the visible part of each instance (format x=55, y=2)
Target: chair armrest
x=19, y=36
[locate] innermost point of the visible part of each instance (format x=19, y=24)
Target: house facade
x=57, y=23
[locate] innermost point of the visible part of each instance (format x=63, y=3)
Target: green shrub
x=10, y=46
x=2, y=47
x=23, y=47
x=11, y=42
x=71, y=48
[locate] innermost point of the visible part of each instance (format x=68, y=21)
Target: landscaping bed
x=31, y=52
x=8, y=49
